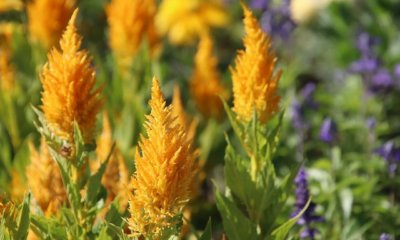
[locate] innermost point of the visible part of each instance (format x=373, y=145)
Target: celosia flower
x=68, y=94
x=254, y=80
x=302, y=197
x=7, y=74
x=44, y=180
x=47, y=20
x=205, y=84
x=328, y=131
x=8, y=5
x=185, y=21
x=178, y=111
x=18, y=186
x=130, y=22
x=116, y=176
x=165, y=167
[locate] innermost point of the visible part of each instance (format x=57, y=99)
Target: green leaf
x=237, y=127
x=281, y=232
x=118, y=231
x=48, y=228
x=236, y=225
x=103, y=234
x=207, y=234
x=23, y=222
x=94, y=182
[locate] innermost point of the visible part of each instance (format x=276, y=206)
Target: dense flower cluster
x=165, y=170
x=47, y=20
x=254, y=79
x=205, y=85
x=68, y=94
x=302, y=197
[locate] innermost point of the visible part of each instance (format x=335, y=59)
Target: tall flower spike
x=205, y=84
x=165, y=167
x=254, y=80
x=68, y=94
x=44, y=180
x=116, y=176
x=47, y=20
x=130, y=22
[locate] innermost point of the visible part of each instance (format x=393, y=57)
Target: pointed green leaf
x=281, y=232
x=23, y=222
x=207, y=234
x=236, y=225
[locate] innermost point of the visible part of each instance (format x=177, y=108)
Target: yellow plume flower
x=68, y=94
x=205, y=84
x=165, y=167
x=116, y=176
x=18, y=186
x=7, y=74
x=185, y=21
x=8, y=5
x=44, y=179
x=47, y=20
x=178, y=111
x=130, y=22
x=254, y=81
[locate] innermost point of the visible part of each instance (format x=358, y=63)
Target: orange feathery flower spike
x=68, y=94
x=47, y=20
x=205, y=85
x=116, y=176
x=254, y=81
x=44, y=179
x=130, y=21
x=165, y=168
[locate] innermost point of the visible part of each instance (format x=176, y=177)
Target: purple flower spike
x=391, y=155
x=302, y=197
x=385, y=236
x=328, y=131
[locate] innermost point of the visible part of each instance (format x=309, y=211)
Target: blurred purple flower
x=304, y=101
x=275, y=20
x=391, y=155
x=302, y=197
x=371, y=123
x=385, y=236
x=328, y=131
x=377, y=78
x=259, y=4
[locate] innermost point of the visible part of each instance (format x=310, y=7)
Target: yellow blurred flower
x=185, y=21
x=205, y=84
x=8, y=5
x=44, y=179
x=131, y=21
x=47, y=20
x=7, y=74
x=116, y=177
x=69, y=93
x=303, y=11
x=255, y=81
x=165, y=167
x=18, y=186
x=178, y=111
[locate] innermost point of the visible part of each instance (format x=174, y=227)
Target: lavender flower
x=371, y=123
x=385, y=236
x=275, y=20
x=301, y=104
x=302, y=197
x=376, y=77
x=328, y=131
x=391, y=155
